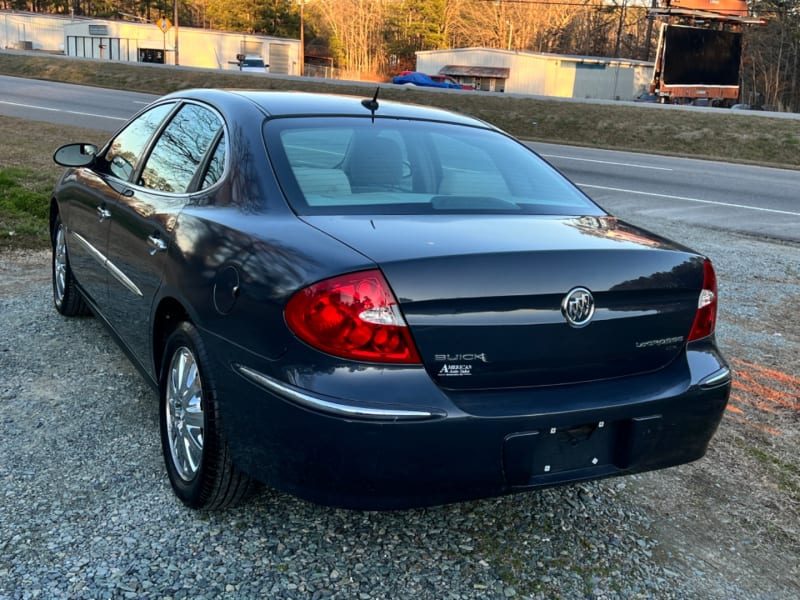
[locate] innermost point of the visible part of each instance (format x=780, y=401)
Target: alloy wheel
x=184, y=414
x=60, y=265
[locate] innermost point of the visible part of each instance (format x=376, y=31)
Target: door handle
x=156, y=244
x=102, y=213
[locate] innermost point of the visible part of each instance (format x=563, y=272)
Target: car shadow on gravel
x=87, y=510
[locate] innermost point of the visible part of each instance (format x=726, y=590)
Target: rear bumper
x=392, y=457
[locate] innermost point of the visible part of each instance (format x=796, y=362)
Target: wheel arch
x=169, y=314
x=54, y=212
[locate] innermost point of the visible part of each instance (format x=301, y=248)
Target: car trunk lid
x=486, y=297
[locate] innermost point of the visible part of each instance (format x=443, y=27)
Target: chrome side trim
x=716, y=378
x=93, y=252
x=107, y=264
x=123, y=279
x=295, y=395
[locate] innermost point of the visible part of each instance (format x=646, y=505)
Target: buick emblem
x=578, y=307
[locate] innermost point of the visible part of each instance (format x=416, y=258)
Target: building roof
x=544, y=55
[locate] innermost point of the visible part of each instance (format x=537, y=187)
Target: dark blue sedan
x=377, y=305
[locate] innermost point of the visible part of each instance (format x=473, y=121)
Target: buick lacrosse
x=376, y=305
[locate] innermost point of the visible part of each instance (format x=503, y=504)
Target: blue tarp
x=417, y=78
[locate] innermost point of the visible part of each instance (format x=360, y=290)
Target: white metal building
x=31, y=31
x=540, y=74
x=145, y=42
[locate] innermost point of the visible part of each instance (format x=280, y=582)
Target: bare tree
x=355, y=29
x=771, y=63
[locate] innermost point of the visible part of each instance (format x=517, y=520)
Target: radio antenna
x=372, y=105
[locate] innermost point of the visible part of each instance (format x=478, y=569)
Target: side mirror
x=75, y=155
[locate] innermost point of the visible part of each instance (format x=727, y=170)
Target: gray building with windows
x=540, y=74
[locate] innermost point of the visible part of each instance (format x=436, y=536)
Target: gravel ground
x=86, y=510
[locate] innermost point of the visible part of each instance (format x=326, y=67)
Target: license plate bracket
x=569, y=448
x=570, y=453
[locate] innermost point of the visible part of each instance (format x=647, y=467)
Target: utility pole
x=302, y=39
x=175, y=18
x=648, y=40
x=619, y=27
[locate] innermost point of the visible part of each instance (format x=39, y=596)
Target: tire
x=66, y=297
x=196, y=454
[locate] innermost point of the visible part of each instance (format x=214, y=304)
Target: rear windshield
x=352, y=165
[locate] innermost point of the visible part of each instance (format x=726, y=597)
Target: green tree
x=414, y=25
x=280, y=18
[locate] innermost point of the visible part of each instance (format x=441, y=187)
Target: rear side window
x=127, y=148
x=215, y=166
x=181, y=149
x=353, y=165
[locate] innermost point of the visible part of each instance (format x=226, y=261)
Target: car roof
x=284, y=104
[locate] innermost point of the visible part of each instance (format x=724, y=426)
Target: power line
x=635, y=4
x=586, y=4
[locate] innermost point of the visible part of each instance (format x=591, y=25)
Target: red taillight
x=705, y=320
x=353, y=316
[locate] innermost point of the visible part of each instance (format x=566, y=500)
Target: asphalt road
x=758, y=201
x=68, y=104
